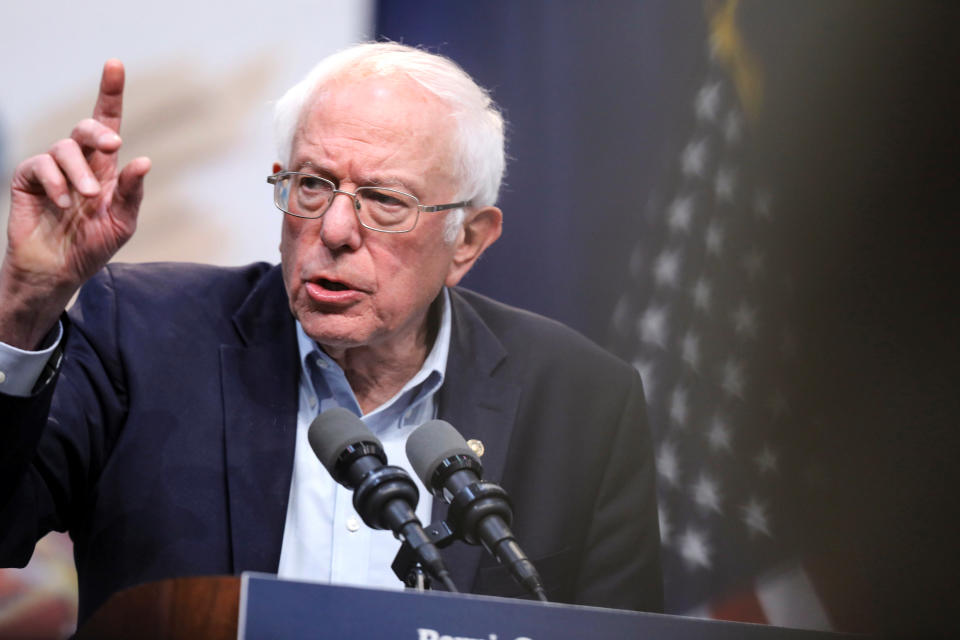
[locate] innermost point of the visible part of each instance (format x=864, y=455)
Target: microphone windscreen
x=433, y=442
x=333, y=431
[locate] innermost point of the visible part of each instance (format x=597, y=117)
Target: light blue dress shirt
x=324, y=539
x=20, y=370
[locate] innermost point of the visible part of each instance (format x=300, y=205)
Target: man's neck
x=379, y=371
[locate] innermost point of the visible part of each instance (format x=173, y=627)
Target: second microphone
x=384, y=496
x=480, y=512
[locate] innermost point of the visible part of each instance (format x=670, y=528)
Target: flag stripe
x=789, y=599
x=743, y=607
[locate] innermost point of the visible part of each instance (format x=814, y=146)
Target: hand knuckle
x=61, y=147
x=84, y=128
x=44, y=164
x=31, y=162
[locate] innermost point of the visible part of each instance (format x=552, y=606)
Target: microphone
x=384, y=496
x=480, y=512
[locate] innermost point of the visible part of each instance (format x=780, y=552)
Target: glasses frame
x=425, y=208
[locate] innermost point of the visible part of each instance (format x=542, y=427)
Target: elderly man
x=162, y=421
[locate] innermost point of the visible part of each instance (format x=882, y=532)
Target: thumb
x=129, y=192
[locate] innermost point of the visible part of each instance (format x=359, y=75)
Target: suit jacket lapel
x=481, y=402
x=260, y=377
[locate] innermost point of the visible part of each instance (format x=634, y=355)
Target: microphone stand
x=407, y=566
x=468, y=511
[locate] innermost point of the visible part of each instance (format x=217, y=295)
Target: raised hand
x=71, y=211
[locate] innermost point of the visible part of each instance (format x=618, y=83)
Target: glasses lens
x=303, y=195
x=386, y=209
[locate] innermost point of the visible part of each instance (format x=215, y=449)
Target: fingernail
x=90, y=186
x=63, y=201
x=109, y=138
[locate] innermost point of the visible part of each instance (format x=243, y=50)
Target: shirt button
x=312, y=401
x=353, y=524
x=3, y=377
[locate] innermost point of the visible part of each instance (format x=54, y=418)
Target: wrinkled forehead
x=389, y=103
x=380, y=127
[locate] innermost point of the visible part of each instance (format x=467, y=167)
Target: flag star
x=647, y=376
x=695, y=549
x=732, y=378
x=718, y=435
x=667, y=463
x=680, y=214
x=666, y=268
x=732, y=126
x=679, y=406
x=745, y=320
x=665, y=527
x=702, y=292
x=690, y=349
x=708, y=101
x=753, y=263
x=761, y=205
x=706, y=494
x=652, y=325
x=724, y=184
x=756, y=518
x=766, y=461
x=694, y=158
x=714, y=238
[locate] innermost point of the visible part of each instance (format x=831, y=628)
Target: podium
x=261, y=606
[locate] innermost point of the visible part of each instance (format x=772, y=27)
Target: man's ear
x=481, y=228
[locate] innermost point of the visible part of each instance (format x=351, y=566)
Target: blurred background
x=750, y=201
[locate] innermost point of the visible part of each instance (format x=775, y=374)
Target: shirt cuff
x=20, y=370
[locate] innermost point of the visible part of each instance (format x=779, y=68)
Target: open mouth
x=330, y=285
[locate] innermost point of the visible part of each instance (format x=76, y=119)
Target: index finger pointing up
x=109, y=107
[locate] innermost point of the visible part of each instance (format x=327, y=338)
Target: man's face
x=350, y=286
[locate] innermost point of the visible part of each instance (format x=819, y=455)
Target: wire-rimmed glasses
x=305, y=195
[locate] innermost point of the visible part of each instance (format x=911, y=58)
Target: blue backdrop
x=574, y=80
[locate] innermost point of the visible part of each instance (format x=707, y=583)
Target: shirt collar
x=432, y=371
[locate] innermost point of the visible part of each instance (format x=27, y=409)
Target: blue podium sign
x=272, y=608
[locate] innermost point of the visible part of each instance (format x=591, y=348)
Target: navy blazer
x=165, y=445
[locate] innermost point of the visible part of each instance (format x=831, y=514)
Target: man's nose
x=340, y=225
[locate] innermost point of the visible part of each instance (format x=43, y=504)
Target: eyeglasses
x=305, y=195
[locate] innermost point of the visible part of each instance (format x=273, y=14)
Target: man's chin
x=334, y=333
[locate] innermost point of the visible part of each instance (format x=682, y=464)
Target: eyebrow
x=306, y=164
x=371, y=181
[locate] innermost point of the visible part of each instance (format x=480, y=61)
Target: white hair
x=479, y=136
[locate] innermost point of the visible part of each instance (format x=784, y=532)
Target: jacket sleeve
x=53, y=442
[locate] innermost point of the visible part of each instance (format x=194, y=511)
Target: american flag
x=705, y=321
